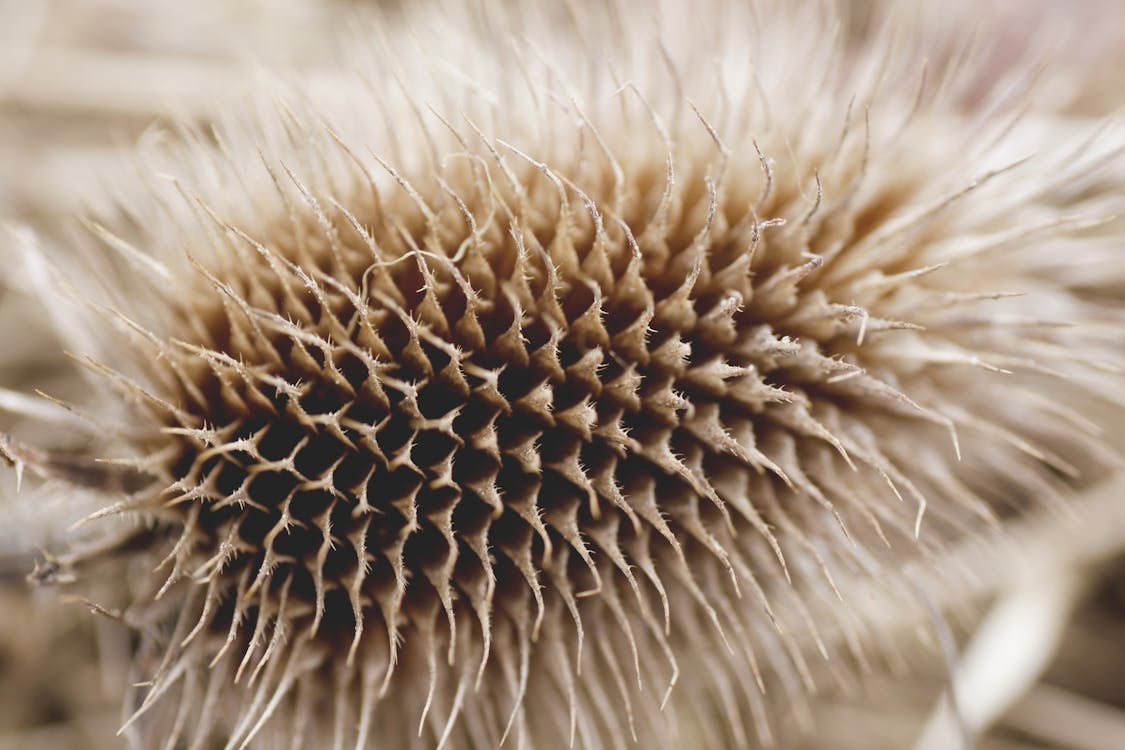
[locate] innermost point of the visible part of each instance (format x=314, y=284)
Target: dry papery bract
x=555, y=384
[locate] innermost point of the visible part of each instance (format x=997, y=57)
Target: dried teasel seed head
x=563, y=389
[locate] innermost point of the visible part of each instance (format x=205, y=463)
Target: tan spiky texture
x=553, y=380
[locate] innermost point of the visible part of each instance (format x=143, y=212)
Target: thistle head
x=579, y=376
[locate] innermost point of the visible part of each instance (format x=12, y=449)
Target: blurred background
x=83, y=80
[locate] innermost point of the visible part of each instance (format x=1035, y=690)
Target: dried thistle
x=581, y=374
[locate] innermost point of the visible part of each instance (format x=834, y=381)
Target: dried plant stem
x=1065, y=719
x=1008, y=653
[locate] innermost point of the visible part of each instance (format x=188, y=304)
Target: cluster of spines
x=495, y=395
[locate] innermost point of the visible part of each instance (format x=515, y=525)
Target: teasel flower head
x=553, y=378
